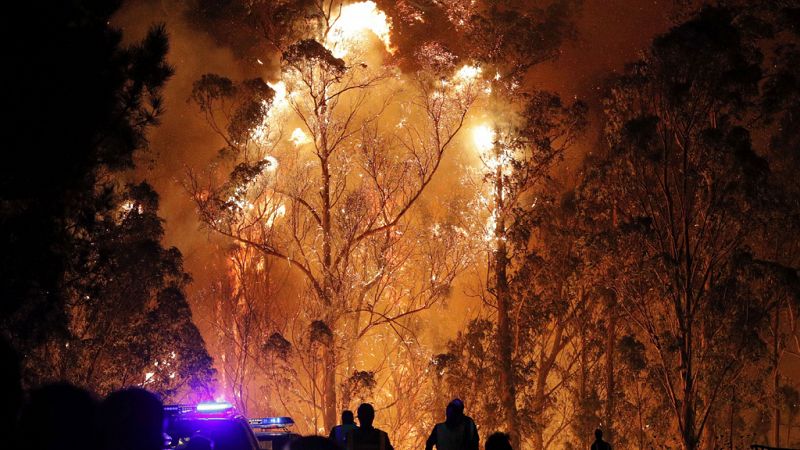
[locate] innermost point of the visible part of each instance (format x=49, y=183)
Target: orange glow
x=353, y=23
x=483, y=137
x=468, y=73
x=299, y=137
x=273, y=163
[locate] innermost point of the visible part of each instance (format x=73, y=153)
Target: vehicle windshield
x=274, y=440
x=225, y=434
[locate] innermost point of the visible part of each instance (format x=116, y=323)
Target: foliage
x=89, y=295
x=333, y=202
x=685, y=182
x=88, y=118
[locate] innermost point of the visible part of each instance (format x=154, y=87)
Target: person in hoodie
x=367, y=437
x=339, y=432
x=457, y=432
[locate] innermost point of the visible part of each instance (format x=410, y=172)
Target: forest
x=301, y=205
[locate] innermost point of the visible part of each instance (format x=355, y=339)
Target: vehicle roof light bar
x=178, y=409
x=214, y=407
x=271, y=422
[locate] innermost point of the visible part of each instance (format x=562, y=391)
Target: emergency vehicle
x=218, y=422
x=273, y=433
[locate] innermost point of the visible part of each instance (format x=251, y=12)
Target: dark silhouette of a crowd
x=64, y=417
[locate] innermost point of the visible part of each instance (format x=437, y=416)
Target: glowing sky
x=610, y=33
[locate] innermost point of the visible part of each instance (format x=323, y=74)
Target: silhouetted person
x=339, y=432
x=131, y=419
x=366, y=437
x=498, y=441
x=599, y=443
x=58, y=417
x=457, y=432
x=312, y=443
x=200, y=443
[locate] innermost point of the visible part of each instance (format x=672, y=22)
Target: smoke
x=611, y=33
x=183, y=140
x=207, y=39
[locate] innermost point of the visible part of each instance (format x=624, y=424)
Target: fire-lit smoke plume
x=362, y=28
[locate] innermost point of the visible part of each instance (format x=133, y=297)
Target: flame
x=490, y=227
x=354, y=20
x=493, y=156
x=265, y=131
x=299, y=138
x=281, y=99
x=467, y=78
x=272, y=163
x=483, y=137
x=129, y=206
x=468, y=73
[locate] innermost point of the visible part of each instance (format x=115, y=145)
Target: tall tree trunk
x=329, y=286
x=585, y=431
x=538, y=405
x=730, y=419
x=687, y=411
x=610, y=344
x=776, y=425
x=685, y=312
x=329, y=385
x=688, y=405
x=504, y=349
x=639, y=413
x=710, y=434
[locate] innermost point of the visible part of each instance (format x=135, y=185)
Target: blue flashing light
x=271, y=422
x=214, y=407
x=178, y=409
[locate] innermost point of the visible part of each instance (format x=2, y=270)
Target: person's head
x=498, y=441
x=131, y=419
x=598, y=434
x=366, y=414
x=66, y=411
x=347, y=417
x=312, y=443
x=454, y=411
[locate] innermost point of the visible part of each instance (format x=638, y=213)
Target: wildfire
x=129, y=206
x=281, y=99
x=490, y=227
x=265, y=132
x=469, y=78
x=483, y=137
x=492, y=154
x=272, y=163
x=354, y=20
x=299, y=138
x=468, y=73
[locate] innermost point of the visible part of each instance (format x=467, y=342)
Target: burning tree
x=332, y=200
x=521, y=284
x=241, y=320
x=523, y=140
